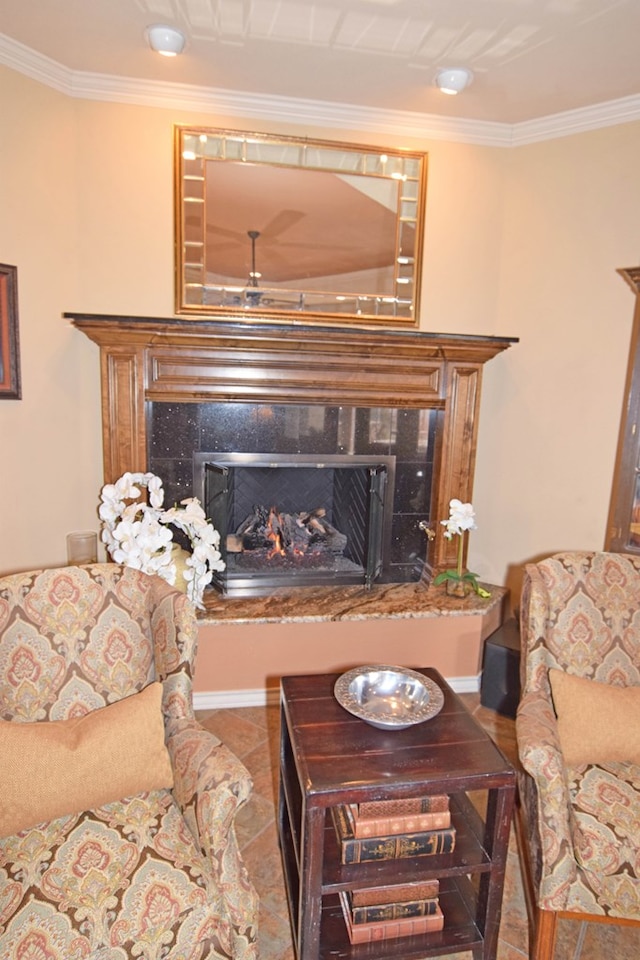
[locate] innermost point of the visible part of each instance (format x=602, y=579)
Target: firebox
x=298, y=520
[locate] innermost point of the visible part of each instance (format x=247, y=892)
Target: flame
x=274, y=524
x=277, y=550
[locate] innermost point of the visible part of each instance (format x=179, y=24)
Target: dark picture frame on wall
x=9, y=340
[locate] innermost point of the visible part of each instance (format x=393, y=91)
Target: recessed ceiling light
x=165, y=40
x=453, y=80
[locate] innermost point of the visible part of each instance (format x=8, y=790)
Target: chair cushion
x=54, y=768
x=124, y=880
x=597, y=722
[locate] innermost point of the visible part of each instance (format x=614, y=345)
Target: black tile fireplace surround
x=185, y=436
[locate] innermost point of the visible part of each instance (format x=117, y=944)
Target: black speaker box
x=500, y=682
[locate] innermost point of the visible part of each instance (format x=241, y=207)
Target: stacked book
x=402, y=910
x=389, y=829
x=381, y=817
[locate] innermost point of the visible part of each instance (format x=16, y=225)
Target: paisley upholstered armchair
x=117, y=808
x=578, y=730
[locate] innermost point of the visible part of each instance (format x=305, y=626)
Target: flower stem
x=460, y=546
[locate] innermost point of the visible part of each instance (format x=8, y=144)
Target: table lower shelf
x=460, y=933
x=458, y=898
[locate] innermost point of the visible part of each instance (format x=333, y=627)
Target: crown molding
x=43, y=69
x=607, y=114
x=176, y=96
x=254, y=106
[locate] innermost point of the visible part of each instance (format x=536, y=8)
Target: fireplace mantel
x=149, y=359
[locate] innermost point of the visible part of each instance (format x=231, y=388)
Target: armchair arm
x=210, y=783
x=541, y=757
x=210, y=786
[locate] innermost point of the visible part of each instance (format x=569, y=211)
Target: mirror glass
x=269, y=225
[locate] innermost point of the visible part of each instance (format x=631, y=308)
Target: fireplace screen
x=293, y=520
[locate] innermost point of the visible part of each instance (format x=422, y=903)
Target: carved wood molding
x=632, y=276
x=145, y=359
x=123, y=421
x=618, y=537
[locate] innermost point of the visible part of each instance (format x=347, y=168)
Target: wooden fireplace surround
x=146, y=359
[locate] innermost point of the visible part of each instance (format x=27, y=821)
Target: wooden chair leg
x=545, y=935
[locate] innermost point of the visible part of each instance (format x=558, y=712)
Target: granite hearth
x=247, y=644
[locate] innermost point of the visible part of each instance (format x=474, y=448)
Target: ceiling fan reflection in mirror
x=254, y=296
x=254, y=276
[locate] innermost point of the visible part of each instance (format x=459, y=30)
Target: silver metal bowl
x=391, y=698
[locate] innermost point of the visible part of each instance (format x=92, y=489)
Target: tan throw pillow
x=597, y=722
x=54, y=768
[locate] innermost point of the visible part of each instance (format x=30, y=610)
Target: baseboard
x=464, y=684
x=225, y=699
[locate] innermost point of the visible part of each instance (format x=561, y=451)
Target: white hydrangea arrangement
x=462, y=518
x=138, y=533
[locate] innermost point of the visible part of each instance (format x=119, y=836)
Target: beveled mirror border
x=368, y=308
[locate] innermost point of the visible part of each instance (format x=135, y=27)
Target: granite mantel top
x=394, y=601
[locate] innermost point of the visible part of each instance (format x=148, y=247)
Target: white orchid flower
x=463, y=514
x=126, y=533
x=138, y=534
x=126, y=485
x=461, y=517
x=112, y=504
x=193, y=511
x=209, y=535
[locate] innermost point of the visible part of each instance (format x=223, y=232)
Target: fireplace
x=295, y=520
x=173, y=390
x=345, y=451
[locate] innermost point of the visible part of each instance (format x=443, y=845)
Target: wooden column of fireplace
x=147, y=359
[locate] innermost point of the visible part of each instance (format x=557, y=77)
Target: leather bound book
x=395, y=893
x=392, y=910
x=387, y=929
x=381, y=826
x=437, y=803
x=397, y=846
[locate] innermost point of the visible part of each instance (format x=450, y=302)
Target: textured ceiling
x=531, y=58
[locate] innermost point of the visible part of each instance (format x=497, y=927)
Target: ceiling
x=531, y=59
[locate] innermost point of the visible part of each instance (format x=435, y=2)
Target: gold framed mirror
x=283, y=227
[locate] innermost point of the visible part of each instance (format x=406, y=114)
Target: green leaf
x=467, y=577
x=445, y=575
x=472, y=578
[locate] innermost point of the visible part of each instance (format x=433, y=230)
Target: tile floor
x=253, y=735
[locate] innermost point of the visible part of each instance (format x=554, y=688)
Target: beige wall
x=551, y=406
x=50, y=447
x=522, y=242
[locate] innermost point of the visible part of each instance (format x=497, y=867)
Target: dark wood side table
x=329, y=757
